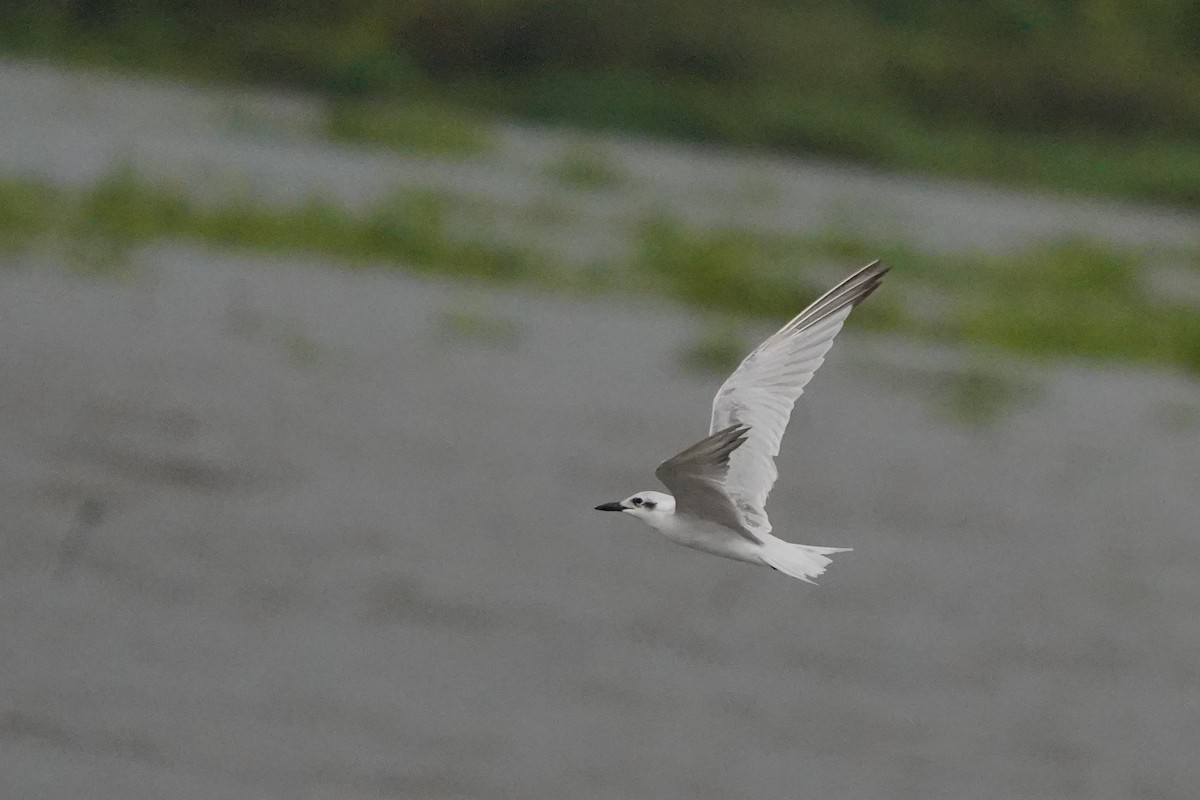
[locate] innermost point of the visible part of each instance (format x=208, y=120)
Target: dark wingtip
x=873, y=282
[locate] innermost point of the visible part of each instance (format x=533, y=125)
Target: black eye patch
x=649, y=504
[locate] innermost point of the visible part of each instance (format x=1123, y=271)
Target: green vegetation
x=1177, y=417
x=424, y=128
x=1081, y=95
x=122, y=209
x=980, y=394
x=472, y=321
x=1061, y=297
x=586, y=166
x=1068, y=298
x=26, y=213
x=287, y=335
x=718, y=350
x=733, y=270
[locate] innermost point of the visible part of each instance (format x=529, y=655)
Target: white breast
x=708, y=536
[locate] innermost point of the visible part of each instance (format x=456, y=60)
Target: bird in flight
x=719, y=485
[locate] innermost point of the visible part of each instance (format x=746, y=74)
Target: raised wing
x=762, y=390
x=696, y=478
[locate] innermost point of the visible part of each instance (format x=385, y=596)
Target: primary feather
x=762, y=390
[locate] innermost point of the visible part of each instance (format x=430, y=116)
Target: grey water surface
x=282, y=530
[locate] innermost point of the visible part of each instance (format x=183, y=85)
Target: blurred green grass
x=584, y=165
x=410, y=228
x=1084, y=96
x=1067, y=298
x=423, y=127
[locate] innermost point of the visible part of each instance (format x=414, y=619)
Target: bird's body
x=711, y=537
x=720, y=484
x=798, y=560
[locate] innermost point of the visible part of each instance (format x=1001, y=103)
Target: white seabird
x=720, y=484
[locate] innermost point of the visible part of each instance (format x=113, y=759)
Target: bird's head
x=646, y=506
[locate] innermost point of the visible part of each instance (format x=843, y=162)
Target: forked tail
x=798, y=560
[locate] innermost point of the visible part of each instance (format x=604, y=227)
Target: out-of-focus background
x=323, y=326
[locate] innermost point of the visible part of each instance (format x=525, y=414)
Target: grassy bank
x=122, y=210
x=1069, y=298
x=1086, y=97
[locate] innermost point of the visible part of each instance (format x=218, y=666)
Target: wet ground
x=278, y=530
x=273, y=529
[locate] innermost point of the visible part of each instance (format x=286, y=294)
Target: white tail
x=798, y=560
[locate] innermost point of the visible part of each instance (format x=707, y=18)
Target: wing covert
x=696, y=478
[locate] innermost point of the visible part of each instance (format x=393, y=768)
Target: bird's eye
x=637, y=501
